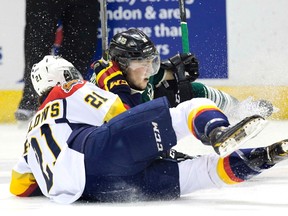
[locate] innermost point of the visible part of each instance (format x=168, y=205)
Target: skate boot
x=225, y=140
x=24, y=115
x=277, y=151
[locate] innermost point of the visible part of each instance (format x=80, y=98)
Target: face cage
x=71, y=74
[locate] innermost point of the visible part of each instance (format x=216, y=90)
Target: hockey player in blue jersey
x=83, y=144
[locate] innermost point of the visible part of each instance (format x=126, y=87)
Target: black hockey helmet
x=133, y=44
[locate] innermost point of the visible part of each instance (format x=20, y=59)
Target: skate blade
x=241, y=136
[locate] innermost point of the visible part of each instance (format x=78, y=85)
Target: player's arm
x=228, y=103
x=23, y=182
x=233, y=107
x=184, y=67
x=223, y=100
x=174, y=78
x=24, y=185
x=110, y=78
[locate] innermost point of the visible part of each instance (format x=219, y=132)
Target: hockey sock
x=242, y=165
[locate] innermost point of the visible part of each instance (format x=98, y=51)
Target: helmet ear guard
x=50, y=71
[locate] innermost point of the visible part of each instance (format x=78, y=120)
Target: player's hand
x=108, y=76
x=191, y=64
x=185, y=66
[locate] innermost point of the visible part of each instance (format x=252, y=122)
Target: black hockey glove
x=184, y=65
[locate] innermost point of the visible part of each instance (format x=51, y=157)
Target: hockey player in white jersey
x=83, y=144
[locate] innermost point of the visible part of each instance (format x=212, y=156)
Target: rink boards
x=9, y=99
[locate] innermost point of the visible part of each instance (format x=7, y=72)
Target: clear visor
x=151, y=65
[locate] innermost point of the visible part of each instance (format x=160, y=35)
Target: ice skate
x=23, y=117
x=277, y=151
x=225, y=140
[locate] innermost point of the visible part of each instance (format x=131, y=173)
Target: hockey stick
x=184, y=28
x=184, y=85
x=104, y=31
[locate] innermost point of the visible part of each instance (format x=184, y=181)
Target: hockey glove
x=185, y=66
x=109, y=77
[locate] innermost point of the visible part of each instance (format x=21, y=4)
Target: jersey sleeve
x=158, y=78
x=111, y=78
x=223, y=100
x=23, y=182
x=154, y=81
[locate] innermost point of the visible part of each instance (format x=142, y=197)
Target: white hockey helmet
x=50, y=71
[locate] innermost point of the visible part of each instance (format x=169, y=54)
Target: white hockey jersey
x=47, y=161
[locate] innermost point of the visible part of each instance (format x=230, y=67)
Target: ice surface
x=264, y=195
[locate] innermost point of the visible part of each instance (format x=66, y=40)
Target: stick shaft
x=184, y=28
x=104, y=29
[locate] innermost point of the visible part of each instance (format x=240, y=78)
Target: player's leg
x=80, y=24
x=158, y=181
x=128, y=142
x=244, y=164
x=133, y=138
x=211, y=171
x=38, y=39
x=202, y=118
x=164, y=179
